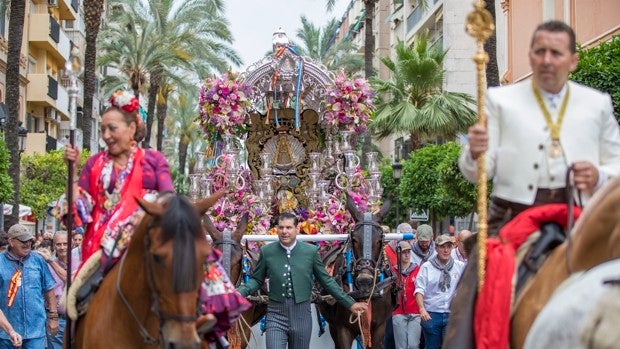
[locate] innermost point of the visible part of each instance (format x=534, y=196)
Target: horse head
x=175, y=249
x=367, y=245
x=229, y=243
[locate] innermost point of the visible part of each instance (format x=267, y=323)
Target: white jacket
x=519, y=136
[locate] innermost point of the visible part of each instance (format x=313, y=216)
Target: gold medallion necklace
x=555, y=150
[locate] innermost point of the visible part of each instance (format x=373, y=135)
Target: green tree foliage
x=599, y=67
x=413, y=101
x=315, y=43
x=431, y=180
x=390, y=191
x=44, y=179
x=6, y=185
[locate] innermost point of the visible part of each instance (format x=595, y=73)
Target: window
x=3, y=6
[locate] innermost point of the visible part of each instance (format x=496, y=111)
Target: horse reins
x=161, y=316
x=366, y=262
x=570, y=191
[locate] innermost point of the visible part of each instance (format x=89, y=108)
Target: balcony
x=68, y=9
x=45, y=33
x=36, y=143
x=42, y=89
x=419, y=15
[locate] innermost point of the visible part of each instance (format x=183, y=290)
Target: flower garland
x=228, y=211
x=349, y=104
x=223, y=102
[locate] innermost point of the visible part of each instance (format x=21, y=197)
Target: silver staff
x=73, y=69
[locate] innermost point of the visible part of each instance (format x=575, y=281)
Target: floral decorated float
x=283, y=136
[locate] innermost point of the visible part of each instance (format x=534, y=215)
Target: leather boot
x=205, y=323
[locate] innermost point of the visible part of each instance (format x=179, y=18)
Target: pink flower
x=349, y=104
x=223, y=103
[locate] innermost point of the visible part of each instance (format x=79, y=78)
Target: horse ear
x=378, y=217
x=210, y=227
x=242, y=226
x=152, y=208
x=203, y=205
x=352, y=208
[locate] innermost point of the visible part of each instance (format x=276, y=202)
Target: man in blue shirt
x=26, y=286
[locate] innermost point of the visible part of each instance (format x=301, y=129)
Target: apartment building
x=51, y=27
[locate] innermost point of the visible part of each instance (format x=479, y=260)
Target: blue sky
x=254, y=21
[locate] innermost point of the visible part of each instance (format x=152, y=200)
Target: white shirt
x=289, y=248
x=457, y=255
x=553, y=167
x=427, y=284
x=417, y=260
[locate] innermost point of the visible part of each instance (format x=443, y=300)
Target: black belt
x=543, y=196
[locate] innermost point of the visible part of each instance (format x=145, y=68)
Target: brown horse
x=232, y=261
x=149, y=298
x=594, y=240
x=368, y=261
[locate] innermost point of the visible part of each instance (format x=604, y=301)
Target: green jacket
x=305, y=263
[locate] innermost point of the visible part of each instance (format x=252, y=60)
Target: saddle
x=84, y=285
x=551, y=236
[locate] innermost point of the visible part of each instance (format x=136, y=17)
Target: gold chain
x=554, y=127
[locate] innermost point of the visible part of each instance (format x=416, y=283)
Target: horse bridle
x=365, y=262
x=161, y=316
x=227, y=244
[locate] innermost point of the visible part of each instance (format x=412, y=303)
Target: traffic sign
x=418, y=215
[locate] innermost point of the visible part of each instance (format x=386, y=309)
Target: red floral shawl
x=132, y=188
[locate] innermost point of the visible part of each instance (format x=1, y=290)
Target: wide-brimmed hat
x=20, y=233
x=425, y=233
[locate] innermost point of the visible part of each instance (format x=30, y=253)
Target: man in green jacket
x=289, y=267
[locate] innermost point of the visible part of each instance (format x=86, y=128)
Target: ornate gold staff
x=480, y=26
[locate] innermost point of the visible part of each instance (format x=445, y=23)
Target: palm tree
x=129, y=44
x=92, y=19
x=490, y=46
x=192, y=35
x=16, y=31
x=315, y=44
x=369, y=53
x=412, y=100
x=183, y=126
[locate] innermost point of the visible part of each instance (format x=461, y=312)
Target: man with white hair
x=458, y=252
x=57, y=263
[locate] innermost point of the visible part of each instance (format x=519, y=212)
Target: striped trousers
x=288, y=323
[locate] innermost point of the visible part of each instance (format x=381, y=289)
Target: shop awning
x=23, y=210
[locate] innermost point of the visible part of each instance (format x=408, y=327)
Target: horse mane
x=181, y=222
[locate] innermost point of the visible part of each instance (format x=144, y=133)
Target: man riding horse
x=538, y=130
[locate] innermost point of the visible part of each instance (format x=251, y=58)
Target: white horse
x=584, y=312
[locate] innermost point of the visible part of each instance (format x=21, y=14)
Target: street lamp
x=22, y=132
x=397, y=171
